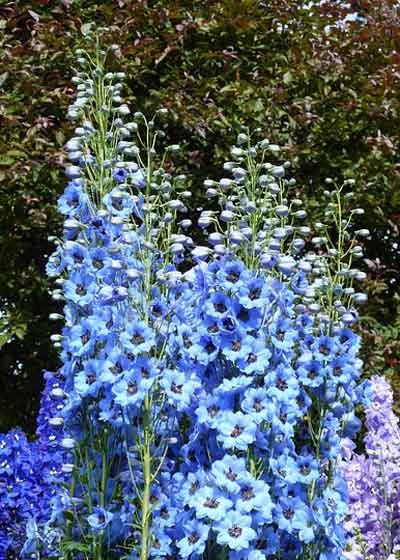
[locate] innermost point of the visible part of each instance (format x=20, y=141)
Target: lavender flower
x=374, y=480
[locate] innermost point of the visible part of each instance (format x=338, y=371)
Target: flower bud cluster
x=336, y=247
x=262, y=226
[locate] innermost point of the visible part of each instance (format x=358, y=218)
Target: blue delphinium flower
x=120, y=174
x=99, y=519
x=236, y=430
x=235, y=531
x=211, y=504
x=194, y=541
x=259, y=453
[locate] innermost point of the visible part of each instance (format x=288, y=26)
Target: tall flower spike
x=373, y=480
x=123, y=240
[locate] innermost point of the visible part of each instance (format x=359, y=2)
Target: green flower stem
x=103, y=487
x=147, y=422
x=68, y=531
x=146, y=511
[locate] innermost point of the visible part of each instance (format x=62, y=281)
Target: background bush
x=329, y=93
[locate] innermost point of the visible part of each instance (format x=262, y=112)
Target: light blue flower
x=99, y=519
x=235, y=531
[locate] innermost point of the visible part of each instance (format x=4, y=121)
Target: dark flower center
x=193, y=538
x=230, y=475
x=164, y=513
x=80, y=290
x=233, y=276
x=116, y=369
x=260, y=544
x=281, y=384
x=153, y=499
x=337, y=370
x=176, y=388
x=288, y=513
x=97, y=263
x=254, y=293
x=300, y=401
x=257, y=405
x=228, y=324
x=212, y=410
x=137, y=338
x=324, y=349
x=237, y=431
x=243, y=315
x=187, y=343
x=117, y=203
x=211, y=503
x=157, y=311
x=251, y=358
x=210, y=347
x=247, y=493
x=235, y=531
x=132, y=388
x=85, y=338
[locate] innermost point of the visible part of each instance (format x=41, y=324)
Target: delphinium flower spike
x=117, y=266
x=373, y=479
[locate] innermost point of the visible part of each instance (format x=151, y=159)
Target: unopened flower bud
x=68, y=443
x=56, y=316
x=56, y=421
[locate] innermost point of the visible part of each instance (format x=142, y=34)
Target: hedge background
x=329, y=93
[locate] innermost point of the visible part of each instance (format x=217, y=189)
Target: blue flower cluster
x=29, y=476
x=206, y=409
x=119, y=295
x=117, y=271
x=200, y=414
x=274, y=394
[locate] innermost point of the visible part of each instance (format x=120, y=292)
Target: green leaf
x=60, y=137
x=287, y=77
x=73, y=546
x=4, y=338
x=69, y=516
x=86, y=28
x=3, y=78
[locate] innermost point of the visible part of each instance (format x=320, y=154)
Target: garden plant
x=210, y=403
